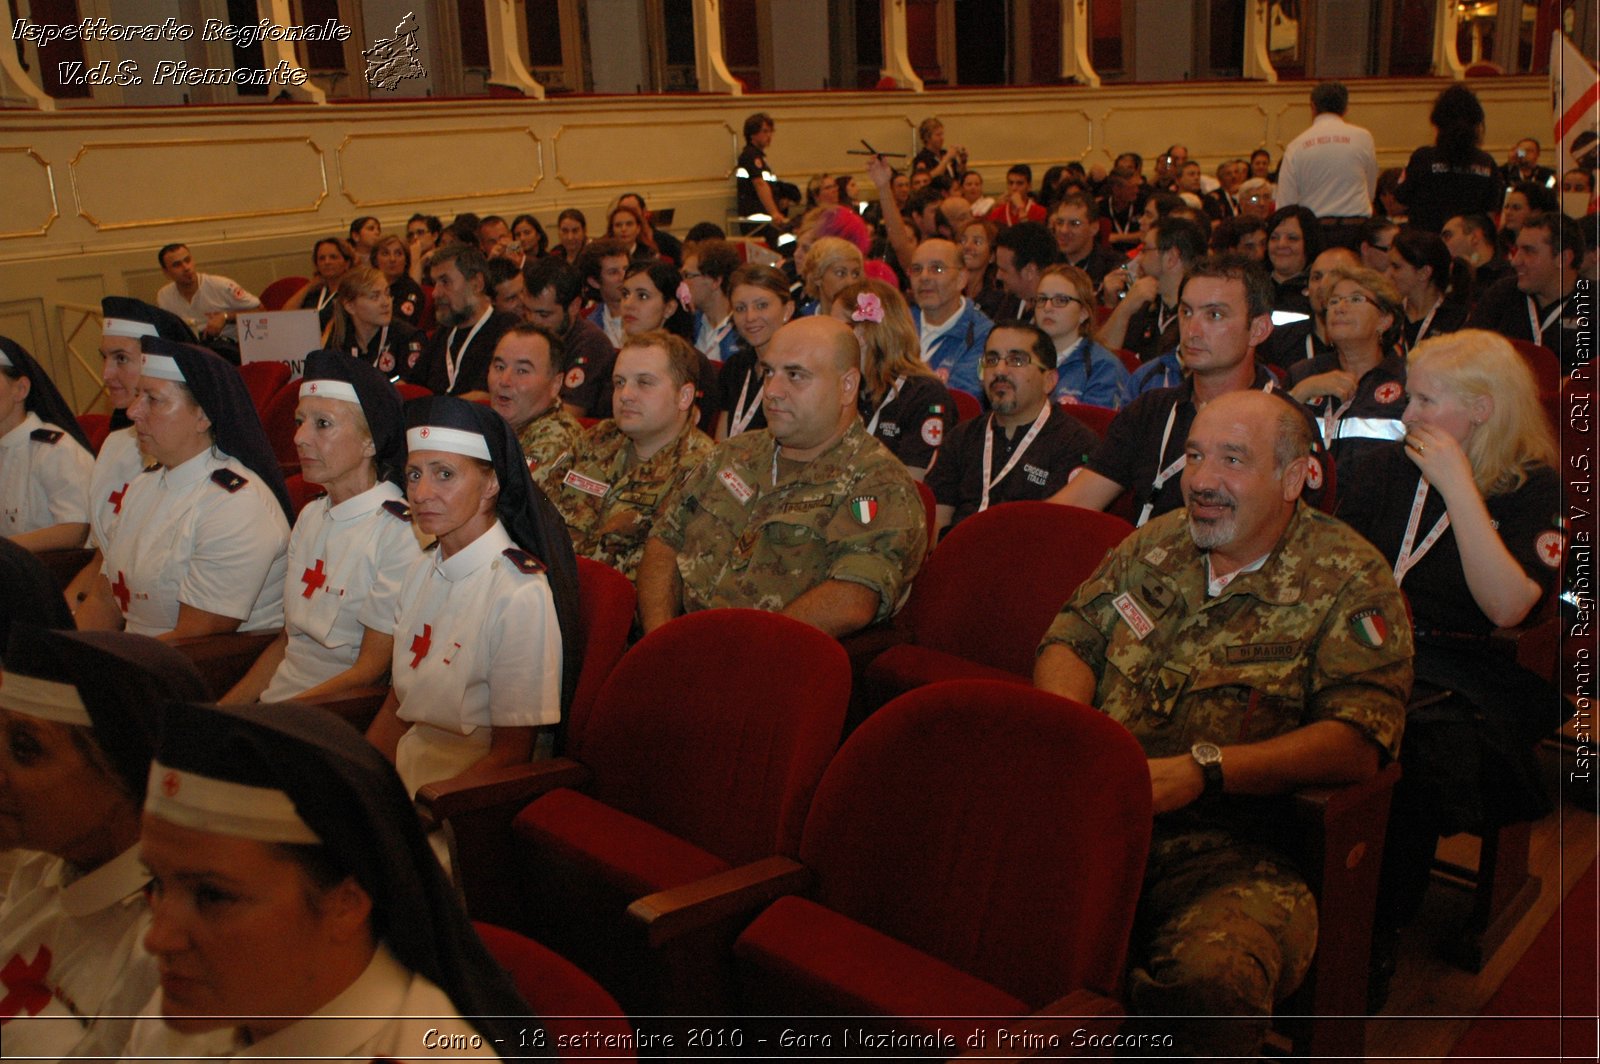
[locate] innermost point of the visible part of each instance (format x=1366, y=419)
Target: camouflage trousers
x=1224, y=929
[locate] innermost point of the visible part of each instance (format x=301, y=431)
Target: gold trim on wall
x=412, y=136
x=50, y=183
x=724, y=175
x=77, y=198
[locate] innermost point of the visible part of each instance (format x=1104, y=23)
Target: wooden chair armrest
x=512, y=786
x=358, y=705
x=1315, y=806
x=224, y=659
x=738, y=892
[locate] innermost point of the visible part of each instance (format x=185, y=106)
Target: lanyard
x=374, y=353
x=1422, y=330
x=1163, y=319
x=743, y=415
x=1311, y=345
x=1407, y=556
x=1016, y=455
x=325, y=298
x=713, y=340
x=872, y=426
x=1335, y=410
x=1533, y=318
x=452, y=363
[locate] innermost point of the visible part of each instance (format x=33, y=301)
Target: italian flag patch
x=1369, y=628
x=864, y=508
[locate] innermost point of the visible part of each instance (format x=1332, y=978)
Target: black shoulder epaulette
x=524, y=562
x=398, y=509
x=228, y=480
x=46, y=435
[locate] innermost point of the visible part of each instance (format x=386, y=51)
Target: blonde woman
x=828, y=265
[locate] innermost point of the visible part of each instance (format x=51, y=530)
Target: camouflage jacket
x=852, y=513
x=610, y=508
x=547, y=437
x=1319, y=632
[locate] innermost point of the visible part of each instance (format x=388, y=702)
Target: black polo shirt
x=1505, y=310
x=589, y=359
x=472, y=373
x=956, y=478
x=916, y=422
x=1373, y=416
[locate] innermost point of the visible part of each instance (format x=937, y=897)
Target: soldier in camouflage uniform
x=525, y=389
x=1253, y=646
x=811, y=516
x=612, y=485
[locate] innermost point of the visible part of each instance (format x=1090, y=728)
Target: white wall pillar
x=896, y=54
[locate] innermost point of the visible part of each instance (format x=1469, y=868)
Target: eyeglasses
x=1014, y=359
x=692, y=275
x=1059, y=302
x=917, y=269
x=1354, y=299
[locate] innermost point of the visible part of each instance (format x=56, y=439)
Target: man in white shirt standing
x=1331, y=168
x=208, y=302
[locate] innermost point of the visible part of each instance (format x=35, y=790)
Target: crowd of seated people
x=1231, y=373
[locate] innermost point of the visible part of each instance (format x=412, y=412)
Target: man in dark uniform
x=757, y=188
x=1021, y=254
x=553, y=299
x=1253, y=646
x=1224, y=311
x=456, y=360
x=1146, y=321
x=1536, y=304
x=1474, y=238
x=1075, y=224
x=1024, y=448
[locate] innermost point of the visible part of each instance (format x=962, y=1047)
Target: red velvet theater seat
x=977, y=850
x=988, y=594
x=701, y=752
x=573, y=1009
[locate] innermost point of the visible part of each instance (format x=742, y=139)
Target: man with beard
x=456, y=360
x=552, y=298
x=1024, y=448
x=1253, y=646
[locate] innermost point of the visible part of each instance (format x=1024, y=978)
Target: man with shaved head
x=1254, y=646
x=811, y=517
x=950, y=326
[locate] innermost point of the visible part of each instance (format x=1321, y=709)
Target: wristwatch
x=1209, y=757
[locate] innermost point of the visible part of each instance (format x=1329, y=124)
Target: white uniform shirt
x=119, y=462
x=346, y=566
x=215, y=293
x=387, y=1013
x=70, y=952
x=1331, y=169
x=476, y=641
x=185, y=538
x=42, y=483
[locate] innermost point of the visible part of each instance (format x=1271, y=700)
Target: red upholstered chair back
x=564, y=998
x=967, y=406
x=605, y=613
x=278, y=421
x=998, y=828
x=409, y=391
x=716, y=727
x=276, y=294
x=263, y=380
x=1543, y=362
x=1095, y=418
x=97, y=427
x=301, y=491
x=991, y=589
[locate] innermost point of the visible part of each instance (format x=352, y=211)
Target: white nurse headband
x=43, y=699
x=455, y=441
x=163, y=367
x=127, y=327
x=326, y=389
x=264, y=814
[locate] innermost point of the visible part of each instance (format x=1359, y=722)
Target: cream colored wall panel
x=415, y=166
x=1038, y=136
x=1213, y=131
x=29, y=205
x=124, y=184
x=807, y=144
x=644, y=153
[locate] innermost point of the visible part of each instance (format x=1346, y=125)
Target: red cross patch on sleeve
x=1549, y=546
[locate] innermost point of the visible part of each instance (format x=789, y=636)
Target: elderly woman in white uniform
x=45, y=458
x=350, y=550
x=78, y=717
x=200, y=545
x=485, y=640
x=295, y=911
x=124, y=324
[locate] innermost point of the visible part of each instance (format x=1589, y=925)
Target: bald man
x=1254, y=646
x=951, y=328
x=811, y=517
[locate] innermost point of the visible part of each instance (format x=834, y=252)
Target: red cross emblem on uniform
x=313, y=579
x=1388, y=392
x=420, y=645
x=1549, y=547
x=312, y=388
x=115, y=498
x=120, y=590
x=26, y=989
x=169, y=784
x=424, y=432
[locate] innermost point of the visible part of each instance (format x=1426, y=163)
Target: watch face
x=1206, y=753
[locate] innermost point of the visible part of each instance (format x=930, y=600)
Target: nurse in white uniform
x=77, y=730
x=124, y=324
x=45, y=458
x=486, y=629
x=200, y=546
x=295, y=910
x=350, y=550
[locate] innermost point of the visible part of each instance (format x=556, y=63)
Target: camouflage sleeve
x=878, y=536
x=1084, y=624
x=1361, y=669
x=680, y=505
